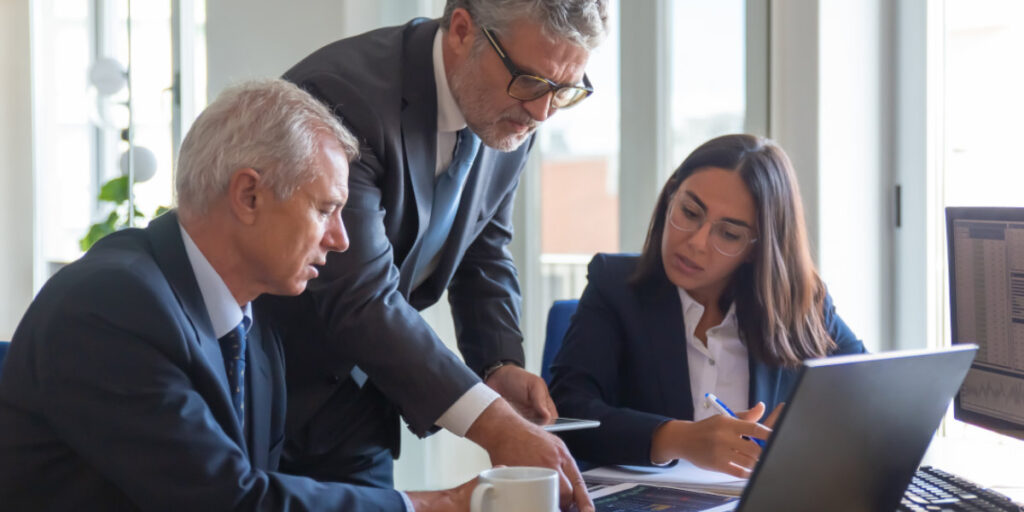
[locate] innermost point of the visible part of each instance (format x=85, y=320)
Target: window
x=974, y=122
x=579, y=178
x=81, y=129
x=983, y=104
x=709, y=69
x=65, y=116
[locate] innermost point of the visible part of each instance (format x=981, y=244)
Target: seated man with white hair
x=142, y=378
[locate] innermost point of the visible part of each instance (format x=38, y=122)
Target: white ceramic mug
x=516, y=489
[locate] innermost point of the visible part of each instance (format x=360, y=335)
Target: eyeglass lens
x=528, y=88
x=726, y=237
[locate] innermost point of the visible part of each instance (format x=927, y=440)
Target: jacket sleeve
x=846, y=341
x=586, y=378
x=367, y=319
x=122, y=391
x=485, y=298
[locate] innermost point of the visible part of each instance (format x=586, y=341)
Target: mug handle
x=477, y=499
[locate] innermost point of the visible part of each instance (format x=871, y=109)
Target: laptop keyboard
x=934, y=489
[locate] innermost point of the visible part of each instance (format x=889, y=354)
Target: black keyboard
x=934, y=489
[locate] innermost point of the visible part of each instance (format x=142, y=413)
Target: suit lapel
x=169, y=253
x=419, y=122
x=764, y=383
x=663, y=316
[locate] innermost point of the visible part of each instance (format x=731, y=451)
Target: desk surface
x=996, y=465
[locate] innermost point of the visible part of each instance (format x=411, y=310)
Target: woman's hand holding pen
x=719, y=443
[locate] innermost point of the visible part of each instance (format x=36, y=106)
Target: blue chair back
x=3, y=353
x=558, y=322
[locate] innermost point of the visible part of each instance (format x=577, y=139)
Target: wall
x=263, y=38
x=831, y=92
x=260, y=38
x=855, y=183
x=16, y=184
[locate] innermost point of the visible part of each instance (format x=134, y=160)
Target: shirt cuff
x=408, y=502
x=461, y=415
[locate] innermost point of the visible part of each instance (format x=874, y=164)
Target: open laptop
x=855, y=430
x=853, y=433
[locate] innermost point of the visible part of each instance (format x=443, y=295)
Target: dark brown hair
x=778, y=294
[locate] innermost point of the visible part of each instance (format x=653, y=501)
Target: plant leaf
x=115, y=190
x=98, y=231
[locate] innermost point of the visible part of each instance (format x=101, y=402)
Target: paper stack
x=683, y=475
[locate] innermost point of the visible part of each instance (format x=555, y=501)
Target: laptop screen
x=855, y=430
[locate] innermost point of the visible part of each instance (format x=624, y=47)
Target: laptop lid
x=855, y=430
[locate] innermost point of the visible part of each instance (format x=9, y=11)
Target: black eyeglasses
x=527, y=87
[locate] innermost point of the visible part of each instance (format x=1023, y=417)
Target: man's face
x=295, y=234
x=479, y=82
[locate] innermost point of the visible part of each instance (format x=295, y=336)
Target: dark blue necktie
x=232, y=347
x=447, y=194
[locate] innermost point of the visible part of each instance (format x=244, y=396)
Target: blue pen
x=724, y=410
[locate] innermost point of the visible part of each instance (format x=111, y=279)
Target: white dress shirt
x=220, y=304
x=721, y=367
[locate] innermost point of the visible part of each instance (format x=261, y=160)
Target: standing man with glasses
x=445, y=111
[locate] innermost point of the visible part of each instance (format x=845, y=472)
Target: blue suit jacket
x=624, y=363
x=114, y=396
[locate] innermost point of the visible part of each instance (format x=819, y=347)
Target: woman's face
x=709, y=226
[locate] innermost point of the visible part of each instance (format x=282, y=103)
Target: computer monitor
x=986, y=302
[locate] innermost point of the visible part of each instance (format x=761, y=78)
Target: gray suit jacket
x=114, y=396
x=363, y=309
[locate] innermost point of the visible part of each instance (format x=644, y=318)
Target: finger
x=565, y=490
x=737, y=471
x=550, y=406
x=579, y=487
x=746, y=454
x=755, y=430
x=540, y=401
x=746, y=448
x=774, y=416
x=744, y=462
x=582, y=497
x=752, y=414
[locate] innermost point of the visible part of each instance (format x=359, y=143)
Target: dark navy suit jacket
x=114, y=396
x=363, y=309
x=623, y=362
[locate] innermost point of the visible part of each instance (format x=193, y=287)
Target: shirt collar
x=220, y=304
x=694, y=309
x=449, y=117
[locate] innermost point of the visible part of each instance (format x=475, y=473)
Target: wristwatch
x=494, y=367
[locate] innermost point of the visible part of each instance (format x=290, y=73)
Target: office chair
x=3, y=353
x=558, y=322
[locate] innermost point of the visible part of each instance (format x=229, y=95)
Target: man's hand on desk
x=449, y=499
x=511, y=440
x=527, y=392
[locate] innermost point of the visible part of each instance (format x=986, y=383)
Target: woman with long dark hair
x=724, y=299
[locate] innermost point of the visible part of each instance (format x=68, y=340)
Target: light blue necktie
x=447, y=192
x=232, y=347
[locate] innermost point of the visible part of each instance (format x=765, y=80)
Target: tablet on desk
x=561, y=424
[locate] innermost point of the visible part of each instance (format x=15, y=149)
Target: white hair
x=271, y=126
x=582, y=22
